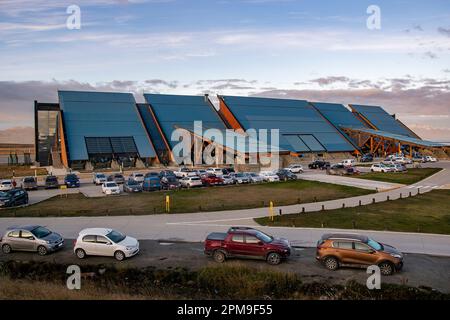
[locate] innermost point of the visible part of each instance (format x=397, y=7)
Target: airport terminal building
x=89, y=130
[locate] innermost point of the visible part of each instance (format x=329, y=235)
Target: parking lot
x=419, y=269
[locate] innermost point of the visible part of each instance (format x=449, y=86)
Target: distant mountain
x=17, y=135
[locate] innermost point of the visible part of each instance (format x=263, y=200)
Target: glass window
x=41, y=232
x=14, y=234
x=89, y=238
x=26, y=234
x=361, y=247
x=115, y=236
x=343, y=244
x=102, y=240
x=251, y=240
x=237, y=238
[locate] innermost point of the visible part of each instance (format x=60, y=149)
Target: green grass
x=427, y=213
x=6, y=172
x=410, y=177
x=192, y=200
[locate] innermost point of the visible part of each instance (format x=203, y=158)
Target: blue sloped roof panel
x=402, y=138
x=295, y=117
x=381, y=119
x=178, y=111
x=101, y=114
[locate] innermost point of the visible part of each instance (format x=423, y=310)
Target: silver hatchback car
x=31, y=238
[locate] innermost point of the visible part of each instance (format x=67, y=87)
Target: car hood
x=129, y=242
x=281, y=242
x=390, y=249
x=52, y=237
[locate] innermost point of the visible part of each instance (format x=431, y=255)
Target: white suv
x=6, y=185
x=295, y=168
x=137, y=176
x=99, y=178
x=269, y=176
x=105, y=242
x=110, y=188
x=380, y=167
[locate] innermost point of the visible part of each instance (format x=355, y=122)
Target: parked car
x=6, y=185
x=254, y=177
x=51, y=182
x=211, y=180
x=228, y=170
x=319, y=164
x=167, y=173
x=72, y=181
x=335, y=250
x=380, y=167
x=132, y=186
x=201, y=172
x=285, y=175
x=228, y=179
x=137, y=176
x=29, y=183
x=418, y=158
x=13, y=197
x=190, y=182
x=110, y=187
x=31, y=238
x=348, y=162
x=151, y=183
x=397, y=167
x=269, y=176
x=216, y=171
x=246, y=242
x=402, y=160
x=341, y=170
x=430, y=159
x=170, y=183
x=241, y=178
x=105, y=242
x=367, y=157
x=98, y=179
x=117, y=178
x=295, y=168
x=184, y=172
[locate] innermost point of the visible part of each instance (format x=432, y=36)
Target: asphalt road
x=194, y=227
x=419, y=270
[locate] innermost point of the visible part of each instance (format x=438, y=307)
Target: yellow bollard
x=167, y=203
x=271, y=210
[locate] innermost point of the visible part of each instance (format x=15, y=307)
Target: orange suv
x=335, y=250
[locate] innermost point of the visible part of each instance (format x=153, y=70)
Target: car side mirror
x=30, y=238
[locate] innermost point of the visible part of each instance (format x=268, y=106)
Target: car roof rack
x=239, y=229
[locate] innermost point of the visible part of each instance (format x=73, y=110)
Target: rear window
x=6, y=183
x=14, y=234
x=111, y=185
x=29, y=180
x=195, y=178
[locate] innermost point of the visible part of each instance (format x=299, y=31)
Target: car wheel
x=219, y=256
x=80, y=253
x=119, y=255
x=386, y=268
x=273, y=258
x=42, y=251
x=331, y=263
x=371, y=170
x=6, y=249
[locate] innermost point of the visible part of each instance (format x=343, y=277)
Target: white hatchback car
x=6, y=185
x=189, y=182
x=105, y=242
x=380, y=167
x=269, y=176
x=110, y=188
x=137, y=176
x=295, y=168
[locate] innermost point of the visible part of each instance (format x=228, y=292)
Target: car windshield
x=115, y=236
x=195, y=178
x=41, y=232
x=172, y=179
x=133, y=183
x=101, y=176
x=5, y=183
x=138, y=175
x=264, y=237
x=240, y=175
x=375, y=245
x=111, y=185
x=71, y=177
x=28, y=180
x=51, y=179
x=4, y=194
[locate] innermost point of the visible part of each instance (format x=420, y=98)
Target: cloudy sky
x=277, y=48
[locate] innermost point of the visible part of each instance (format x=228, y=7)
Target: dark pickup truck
x=246, y=242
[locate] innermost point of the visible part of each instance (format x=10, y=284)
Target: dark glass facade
x=46, y=126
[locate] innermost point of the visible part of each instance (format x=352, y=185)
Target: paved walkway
x=195, y=226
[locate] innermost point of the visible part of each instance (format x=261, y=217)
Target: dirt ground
x=419, y=270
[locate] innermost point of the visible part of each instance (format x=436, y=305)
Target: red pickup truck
x=246, y=242
x=211, y=180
